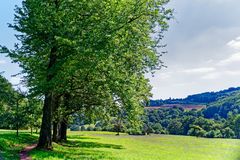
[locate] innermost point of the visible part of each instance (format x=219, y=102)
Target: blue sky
x=7, y=38
x=203, y=47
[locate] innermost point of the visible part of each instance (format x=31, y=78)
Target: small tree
x=175, y=127
x=228, y=132
x=237, y=126
x=196, y=131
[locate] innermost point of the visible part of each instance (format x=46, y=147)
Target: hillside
x=203, y=99
x=223, y=107
x=184, y=106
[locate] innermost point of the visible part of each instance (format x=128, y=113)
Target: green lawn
x=10, y=144
x=107, y=146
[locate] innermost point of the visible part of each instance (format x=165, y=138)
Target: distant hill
x=222, y=107
x=202, y=99
x=184, y=106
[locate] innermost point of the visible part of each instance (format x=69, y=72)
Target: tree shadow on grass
x=80, y=154
x=78, y=148
x=11, y=144
x=81, y=144
x=79, y=137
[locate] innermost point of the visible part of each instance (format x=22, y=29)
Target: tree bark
x=64, y=122
x=56, y=136
x=45, y=139
x=63, y=130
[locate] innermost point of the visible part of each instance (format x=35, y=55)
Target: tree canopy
x=96, y=50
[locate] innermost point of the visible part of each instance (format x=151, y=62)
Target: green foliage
x=175, y=127
x=197, y=131
x=75, y=128
x=228, y=132
x=202, y=98
x=237, y=126
x=96, y=52
x=17, y=110
x=180, y=122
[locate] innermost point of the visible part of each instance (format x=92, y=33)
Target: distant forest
x=219, y=119
x=202, y=98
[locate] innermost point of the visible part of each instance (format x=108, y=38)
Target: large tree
x=99, y=48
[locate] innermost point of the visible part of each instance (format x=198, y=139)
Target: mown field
x=107, y=146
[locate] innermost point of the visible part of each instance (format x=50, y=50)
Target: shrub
x=133, y=131
x=97, y=129
x=83, y=128
x=196, y=131
x=228, y=133
x=90, y=128
x=75, y=128
x=214, y=134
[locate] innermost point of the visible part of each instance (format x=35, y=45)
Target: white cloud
x=211, y=76
x=2, y=62
x=15, y=80
x=184, y=84
x=233, y=58
x=220, y=73
x=199, y=70
x=232, y=73
x=235, y=44
x=164, y=76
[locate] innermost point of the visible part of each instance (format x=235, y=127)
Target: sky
x=203, y=45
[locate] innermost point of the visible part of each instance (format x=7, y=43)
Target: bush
x=157, y=127
x=196, y=131
x=75, y=128
x=90, y=128
x=97, y=129
x=175, y=127
x=214, y=134
x=210, y=134
x=108, y=127
x=132, y=131
x=83, y=128
x=228, y=133
x=147, y=128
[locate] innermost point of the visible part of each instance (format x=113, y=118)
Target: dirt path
x=24, y=153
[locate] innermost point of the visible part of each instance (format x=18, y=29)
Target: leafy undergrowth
x=107, y=146
x=11, y=144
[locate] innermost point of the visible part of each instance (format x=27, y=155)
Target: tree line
x=175, y=121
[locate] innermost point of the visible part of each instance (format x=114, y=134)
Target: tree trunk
x=63, y=130
x=64, y=122
x=17, y=115
x=45, y=139
x=31, y=130
x=55, y=137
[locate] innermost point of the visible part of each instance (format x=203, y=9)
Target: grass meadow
x=108, y=146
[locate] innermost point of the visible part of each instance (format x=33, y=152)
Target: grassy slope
x=10, y=144
x=107, y=146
